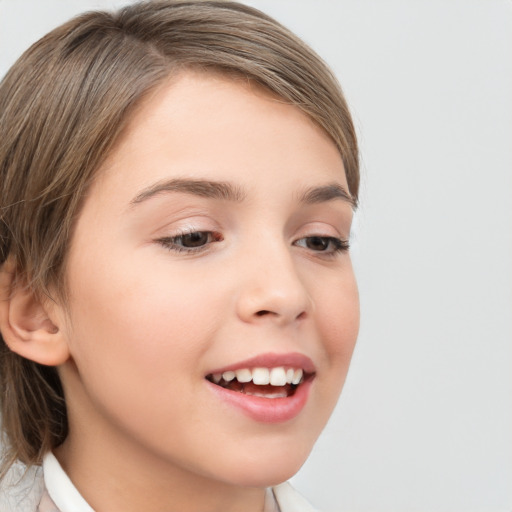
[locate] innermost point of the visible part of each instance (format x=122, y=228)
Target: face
x=213, y=309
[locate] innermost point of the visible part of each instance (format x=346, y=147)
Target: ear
x=30, y=327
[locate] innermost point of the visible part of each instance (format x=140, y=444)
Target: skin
x=145, y=323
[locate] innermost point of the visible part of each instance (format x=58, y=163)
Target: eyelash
x=172, y=243
x=337, y=245
x=175, y=243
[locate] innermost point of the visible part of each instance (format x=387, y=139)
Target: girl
x=178, y=306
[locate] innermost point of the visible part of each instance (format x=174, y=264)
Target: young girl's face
x=213, y=240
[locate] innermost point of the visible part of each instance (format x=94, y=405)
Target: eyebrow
x=325, y=193
x=228, y=192
x=198, y=187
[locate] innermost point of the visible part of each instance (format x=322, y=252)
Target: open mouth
x=279, y=382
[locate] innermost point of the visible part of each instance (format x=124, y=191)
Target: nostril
x=265, y=312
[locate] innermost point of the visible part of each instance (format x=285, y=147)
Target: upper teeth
x=279, y=376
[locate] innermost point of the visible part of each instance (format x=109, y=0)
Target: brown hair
x=63, y=106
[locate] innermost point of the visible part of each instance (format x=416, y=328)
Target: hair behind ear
x=33, y=409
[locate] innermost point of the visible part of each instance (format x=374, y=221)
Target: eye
x=190, y=242
x=323, y=244
x=196, y=239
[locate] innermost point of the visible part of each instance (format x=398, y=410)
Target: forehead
x=211, y=126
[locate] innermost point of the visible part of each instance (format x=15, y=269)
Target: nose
x=271, y=289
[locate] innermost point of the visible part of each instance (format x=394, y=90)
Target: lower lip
x=266, y=410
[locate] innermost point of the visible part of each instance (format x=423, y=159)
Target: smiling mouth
x=279, y=382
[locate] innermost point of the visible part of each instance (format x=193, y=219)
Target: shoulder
x=290, y=500
x=21, y=489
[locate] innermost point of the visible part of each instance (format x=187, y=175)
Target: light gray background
x=425, y=421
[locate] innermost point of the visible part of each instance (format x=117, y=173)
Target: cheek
x=340, y=311
x=136, y=340
x=141, y=321
x=338, y=324
x=336, y=314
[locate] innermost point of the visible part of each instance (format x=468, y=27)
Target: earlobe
x=27, y=325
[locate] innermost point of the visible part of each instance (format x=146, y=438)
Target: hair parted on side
x=64, y=105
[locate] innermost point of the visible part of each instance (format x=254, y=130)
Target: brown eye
x=324, y=244
x=196, y=239
x=317, y=243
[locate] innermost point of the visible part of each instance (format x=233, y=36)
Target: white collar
x=60, y=488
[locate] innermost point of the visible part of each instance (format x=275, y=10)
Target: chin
x=265, y=476
x=266, y=469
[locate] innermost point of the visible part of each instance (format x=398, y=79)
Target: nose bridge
x=270, y=284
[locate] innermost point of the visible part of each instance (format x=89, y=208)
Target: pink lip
x=268, y=410
x=271, y=360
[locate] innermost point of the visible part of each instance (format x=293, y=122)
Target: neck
x=115, y=479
